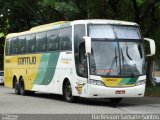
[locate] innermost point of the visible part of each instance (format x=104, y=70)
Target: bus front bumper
x=95, y=91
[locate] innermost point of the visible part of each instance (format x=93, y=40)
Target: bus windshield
x=113, y=31
x=116, y=53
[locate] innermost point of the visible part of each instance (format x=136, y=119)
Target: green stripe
x=42, y=69
x=47, y=68
x=51, y=68
x=132, y=81
x=128, y=81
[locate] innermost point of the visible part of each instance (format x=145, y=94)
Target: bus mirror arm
x=152, y=46
x=88, y=52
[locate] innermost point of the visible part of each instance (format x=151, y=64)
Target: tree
x=21, y=15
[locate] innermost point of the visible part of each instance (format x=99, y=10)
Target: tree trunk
x=149, y=71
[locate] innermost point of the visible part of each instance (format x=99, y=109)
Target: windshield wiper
x=128, y=53
x=125, y=61
x=129, y=56
x=116, y=57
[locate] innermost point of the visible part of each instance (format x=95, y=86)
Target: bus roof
x=48, y=25
x=62, y=24
x=103, y=21
x=41, y=28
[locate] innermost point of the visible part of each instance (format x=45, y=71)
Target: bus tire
x=21, y=87
x=68, y=92
x=16, y=88
x=115, y=100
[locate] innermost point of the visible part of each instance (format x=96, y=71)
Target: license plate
x=120, y=92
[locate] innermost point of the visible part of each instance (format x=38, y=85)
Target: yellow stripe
x=112, y=82
x=29, y=72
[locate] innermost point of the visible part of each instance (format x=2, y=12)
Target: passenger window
x=15, y=46
x=79, y=32
x=41, y=40
x=7, y=51
x=22, y=44
x=65, y=36
x=31, y=43
x=53, y=43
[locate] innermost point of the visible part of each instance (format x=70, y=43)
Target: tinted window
x=127, y=32
x=7, y=51
x=22, y=44
x=15, y=46
x=79, y=32
x=65, y=36
x=41, y=40
x=53, y=40
x=31, y=43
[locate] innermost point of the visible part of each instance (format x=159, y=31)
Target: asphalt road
x=41, y=103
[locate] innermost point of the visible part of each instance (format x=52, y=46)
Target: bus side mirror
x=152, y=46
x=87, y=44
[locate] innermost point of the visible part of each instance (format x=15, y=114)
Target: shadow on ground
x=83, y=101
x=126, y=102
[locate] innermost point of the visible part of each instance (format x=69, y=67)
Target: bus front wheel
x=68, y=92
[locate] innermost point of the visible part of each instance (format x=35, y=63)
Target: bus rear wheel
x=21, y=87
x=16, y=88
x=68, y=92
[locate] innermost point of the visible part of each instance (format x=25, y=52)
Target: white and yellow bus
x=83, y=58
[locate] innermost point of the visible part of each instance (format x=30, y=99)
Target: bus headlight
x=140, y=82
x=97, y=82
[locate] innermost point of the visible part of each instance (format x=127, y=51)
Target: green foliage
x=1, y=35
x=21, y=15
x=67, y=8
x=153, y=90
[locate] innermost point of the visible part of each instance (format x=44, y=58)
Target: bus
x=82, y=58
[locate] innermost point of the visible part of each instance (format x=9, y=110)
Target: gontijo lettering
x=26, y=60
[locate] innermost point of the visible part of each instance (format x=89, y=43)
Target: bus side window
x=41, y=40
x=65, y=36
x=79, y=32
x=15, y=46
x=7, y=50
x=22, y=44
x=52, y=40
x=82, y=60
x=31, y=43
